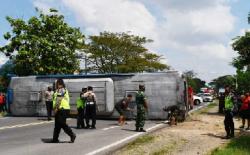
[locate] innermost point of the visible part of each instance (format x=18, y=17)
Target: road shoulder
x=201, y=133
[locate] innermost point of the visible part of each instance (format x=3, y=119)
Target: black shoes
x=54, y=141
x=140, y=130
x=72, y=138
x=90, y=127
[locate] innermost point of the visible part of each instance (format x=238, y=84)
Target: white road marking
x=116, y=126
x=29, y=124
x=4, y=117
x=122, y=140
x=24, y=125
x=112, y=127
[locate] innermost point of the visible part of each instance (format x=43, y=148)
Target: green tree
x=43, y=45
x=242, y=46
x=243, y=81
x=5, y=70
x=193, y=81
x=121, y=53
x=222, y=81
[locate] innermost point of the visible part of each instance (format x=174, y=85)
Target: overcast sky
x=190, y=34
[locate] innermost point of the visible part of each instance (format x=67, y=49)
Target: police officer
x=80, y=103
x=61, y=108
x=228, y=121
x=90, y=107
x=142, y=107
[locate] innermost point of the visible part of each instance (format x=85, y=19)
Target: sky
x=189, y=34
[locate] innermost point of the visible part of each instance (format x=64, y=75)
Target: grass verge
x=206, y=109
x=237, y=146
x=141, y=140
x=167, y=149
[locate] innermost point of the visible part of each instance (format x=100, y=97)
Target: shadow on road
x=214, y=113
x=43, y=119
x=131, y=130
x=214, y=135
x=49, y=140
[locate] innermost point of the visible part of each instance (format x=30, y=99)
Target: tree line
x=46, y=44
x=241, y=81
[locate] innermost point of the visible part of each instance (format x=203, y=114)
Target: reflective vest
x=65, y=101
x=229, y=103
x=80, y=103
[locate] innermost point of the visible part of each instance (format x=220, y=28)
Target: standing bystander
x=49, y=102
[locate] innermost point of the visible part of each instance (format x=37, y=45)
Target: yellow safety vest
x=80, y=103
x=65, y=101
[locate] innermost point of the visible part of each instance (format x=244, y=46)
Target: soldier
x=90, y=107
x=142, y=108
x=123, y=106
x=81, y=103
x=62, y=108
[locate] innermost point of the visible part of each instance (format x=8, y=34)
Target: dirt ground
x=201, y=133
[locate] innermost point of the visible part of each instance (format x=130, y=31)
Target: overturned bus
x=164, y=89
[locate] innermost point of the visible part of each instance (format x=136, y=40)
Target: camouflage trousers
x=140, y=118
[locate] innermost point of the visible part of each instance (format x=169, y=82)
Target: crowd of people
x=58, y=101
x=233, y=104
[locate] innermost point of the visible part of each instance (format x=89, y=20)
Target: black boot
x=142, y=130
x=137, y=129
x=72, y=138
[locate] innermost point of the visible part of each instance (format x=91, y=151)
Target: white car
x=197, y=100
x=206, y=97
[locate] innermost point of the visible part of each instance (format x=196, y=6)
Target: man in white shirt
x=49, y=102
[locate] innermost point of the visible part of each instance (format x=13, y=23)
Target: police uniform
x=80, y=103
x=228, y=121
x=61, y=113
x=141, y=111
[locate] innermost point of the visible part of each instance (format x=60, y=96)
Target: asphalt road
x=29, y=136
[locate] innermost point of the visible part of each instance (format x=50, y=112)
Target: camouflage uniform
x=141, y=110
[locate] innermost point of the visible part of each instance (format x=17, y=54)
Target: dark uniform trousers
x=81, y=117
x=228, y=122
x=49, y=106
x=91, y=114
x=60, y=123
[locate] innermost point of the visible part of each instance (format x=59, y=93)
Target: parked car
x=206, y=97
x=197, y=100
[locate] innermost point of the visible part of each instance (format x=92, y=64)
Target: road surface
x=29, y=136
